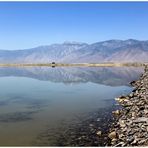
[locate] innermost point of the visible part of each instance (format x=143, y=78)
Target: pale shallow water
x=33, y=100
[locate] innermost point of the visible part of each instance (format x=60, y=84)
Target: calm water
x=34, y=100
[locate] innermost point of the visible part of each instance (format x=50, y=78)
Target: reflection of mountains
x=113, y=76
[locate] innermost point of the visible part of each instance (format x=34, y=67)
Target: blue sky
x=30, y=24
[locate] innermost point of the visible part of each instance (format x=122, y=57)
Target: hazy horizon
x=30, y=24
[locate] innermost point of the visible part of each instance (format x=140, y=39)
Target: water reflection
x=113, y=76
x=38, y=104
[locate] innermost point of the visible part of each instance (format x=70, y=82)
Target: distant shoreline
x=72, y=64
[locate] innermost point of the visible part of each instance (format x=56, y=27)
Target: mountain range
x=74, y=52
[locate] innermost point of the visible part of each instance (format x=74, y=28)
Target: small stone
x=79, y=138
x=112, y=135
x=114, y=140
x=117, y=99
x=117, y=112
x=141, y=119
x=121, y=136
x=135, y=141
x=119, y=144
x=142, y=141
x=125, y=100
x=131, y=95
x=121, y=99
x=146, y=111
x=133, y=114
x=122, y=123
x=131, y=139
x=98, y=119
x=91, y=125
x=99, y=133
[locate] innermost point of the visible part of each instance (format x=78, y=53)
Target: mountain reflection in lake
x=34, y=100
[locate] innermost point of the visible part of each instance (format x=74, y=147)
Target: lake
x=39, y=104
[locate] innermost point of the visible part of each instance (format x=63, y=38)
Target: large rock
x=112, y=135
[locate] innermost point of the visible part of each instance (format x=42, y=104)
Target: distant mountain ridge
x=74, y=52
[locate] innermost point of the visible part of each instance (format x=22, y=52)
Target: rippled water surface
x=35, y=100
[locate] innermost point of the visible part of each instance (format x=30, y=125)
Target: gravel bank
x=131, y=125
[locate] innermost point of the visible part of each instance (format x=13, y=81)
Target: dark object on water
x=53, y=64
x=132, y=83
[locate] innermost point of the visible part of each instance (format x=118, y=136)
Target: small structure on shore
x=53, y=64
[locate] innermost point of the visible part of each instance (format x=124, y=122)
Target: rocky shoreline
x=131, y=122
